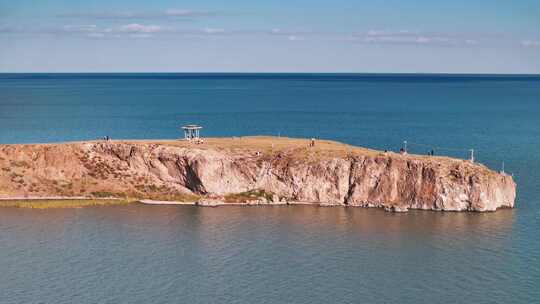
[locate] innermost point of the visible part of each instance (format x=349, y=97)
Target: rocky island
x=251, y=171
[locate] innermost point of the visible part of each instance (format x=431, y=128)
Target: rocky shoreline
x=251, y=171
x=220, y=203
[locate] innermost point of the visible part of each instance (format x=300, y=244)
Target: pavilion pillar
x=192, y=132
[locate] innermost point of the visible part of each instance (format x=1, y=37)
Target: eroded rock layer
x=278, y=171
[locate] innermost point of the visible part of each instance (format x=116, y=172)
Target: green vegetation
x=163, y=193
x=106, y=194
x=150, y=188
x=250, y=195
x=63, y=203
x=173, y=197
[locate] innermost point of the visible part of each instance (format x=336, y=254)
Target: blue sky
x=254, y=36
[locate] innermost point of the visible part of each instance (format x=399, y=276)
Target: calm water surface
x=161, y=254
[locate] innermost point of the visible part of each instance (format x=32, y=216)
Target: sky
x=377, y=36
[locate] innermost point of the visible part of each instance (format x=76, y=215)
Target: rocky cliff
x=252, y=170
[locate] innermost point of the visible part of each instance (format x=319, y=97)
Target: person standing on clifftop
x=312, y=144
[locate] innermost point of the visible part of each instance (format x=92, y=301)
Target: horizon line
x=290, y=73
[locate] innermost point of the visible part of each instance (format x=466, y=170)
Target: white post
x=405, y=145
x=472, y=155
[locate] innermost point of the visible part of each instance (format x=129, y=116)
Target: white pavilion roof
x=191, y=127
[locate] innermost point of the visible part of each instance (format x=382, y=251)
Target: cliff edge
x=252, y=170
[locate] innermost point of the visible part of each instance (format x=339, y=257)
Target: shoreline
x=63, y=202
x=81, y=202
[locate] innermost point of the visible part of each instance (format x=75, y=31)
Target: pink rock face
x=141, y=170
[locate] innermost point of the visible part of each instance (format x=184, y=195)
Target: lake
x=291, y=254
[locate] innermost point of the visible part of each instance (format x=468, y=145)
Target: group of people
x=106, y=138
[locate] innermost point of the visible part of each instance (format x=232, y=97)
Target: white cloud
x=139, y=28
x=95, y=35
x=186, y=13
x=375, y=33
x=410, y=37
x=295, y=38
x=134, y=30
x=381, y=33
x=213, y=30
x=81, y=28
x=169, y=13
x=374, y=36
x=423, y=40
x=530, y=43
x=140, y=35
x=292, y=35
x=99, y=15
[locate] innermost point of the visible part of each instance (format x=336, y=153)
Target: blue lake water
x=161, y=254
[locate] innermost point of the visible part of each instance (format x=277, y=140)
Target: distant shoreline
x=272, y=75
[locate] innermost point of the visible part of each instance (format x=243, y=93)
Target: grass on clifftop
x=265, y=145
x=62, y=203
x=270, y=145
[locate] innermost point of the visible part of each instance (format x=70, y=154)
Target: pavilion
x=191, y=132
